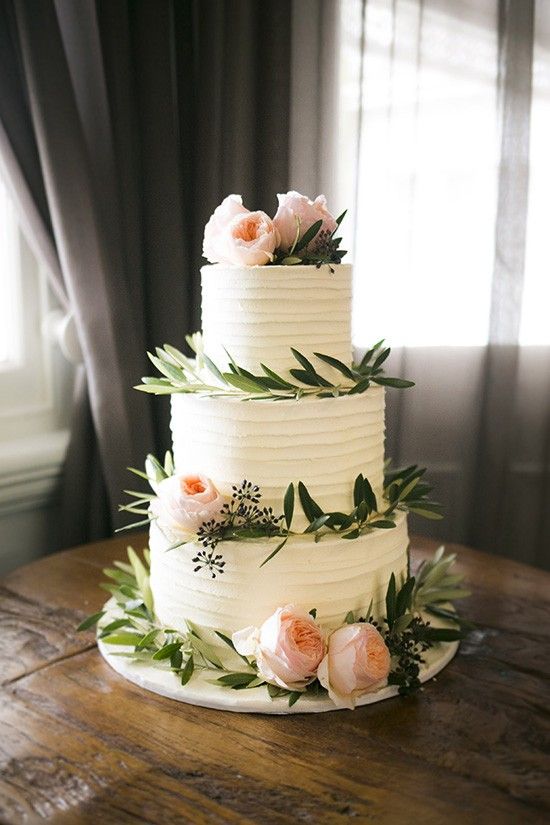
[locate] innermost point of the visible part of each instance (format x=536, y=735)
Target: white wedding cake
x=277, y=566
x=257, y=314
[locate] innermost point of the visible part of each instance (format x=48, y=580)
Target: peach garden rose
x=288, y=647
x=236, y=236
x=357, y=661
x=184, y=502
x=295, y=208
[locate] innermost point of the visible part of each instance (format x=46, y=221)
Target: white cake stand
x=199, y=690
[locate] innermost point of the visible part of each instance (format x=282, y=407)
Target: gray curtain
x=479, y=417
x=122, y=126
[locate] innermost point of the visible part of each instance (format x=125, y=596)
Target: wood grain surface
x=78, y=744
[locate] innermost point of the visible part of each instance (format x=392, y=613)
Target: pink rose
x=288, y=647
x=236, y=236
x=294, y=208
x=183, y=503
x=357, y=662
x=214, y=246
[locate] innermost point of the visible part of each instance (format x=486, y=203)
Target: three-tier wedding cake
x=278, y=562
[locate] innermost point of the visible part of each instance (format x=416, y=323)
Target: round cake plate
x=200, y=691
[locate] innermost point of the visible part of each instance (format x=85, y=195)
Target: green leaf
x=139, y=473
x=358, y=490
x=234, y=679
x=404, y=597
x=294, y=696
x=339, y=219
x=391, y=601
x=176, y=660
x=142, y=578
x=229, y=643
x=353, y=534
x=206, y=650
x=148, y=639
x=166, y=651
x=242, y=383
x=178, y=356
x=291, y=260
x=382, y=524
x=308, y=236
x=369, y=353
x=90, y=621
x=317, y=523
x=397, y=383
x=123, y=639
x=277, y=378
x=313, y=613
x=175, y=374
x=213, y=368
x=309, y=506
x=350, y=617
x=288, y=505
x=368, y=496
x=275, y=691
x=433, y=515
x=115, y=625
x=187, y=671
x=309, y=378
x=154, y=469
x=334, y=362
x=155, y=389
x=361, y=386
x=451, y=616
x=303, y=361
x=274, y=553
x=168, y=463
x=381, y=358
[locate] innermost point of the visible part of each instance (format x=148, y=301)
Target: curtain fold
x=123, y=125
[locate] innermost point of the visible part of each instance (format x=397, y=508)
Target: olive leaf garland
x=244, y=518
x=405, y=631
x=180, y=374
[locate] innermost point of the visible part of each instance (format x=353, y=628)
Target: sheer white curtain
x=440, y=150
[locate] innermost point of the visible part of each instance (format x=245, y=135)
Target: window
x=418, y=160
x=32, y=370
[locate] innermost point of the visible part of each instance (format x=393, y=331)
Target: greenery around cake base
x=405, y=628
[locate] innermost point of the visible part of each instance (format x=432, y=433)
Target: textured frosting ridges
x=333, y=576
x=258, y=313
x=323, y=442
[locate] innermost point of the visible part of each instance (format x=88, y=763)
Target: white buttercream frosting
x=323, y=442
x=332, y=575
x=258, y=313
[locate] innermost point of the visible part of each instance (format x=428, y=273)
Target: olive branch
x=180, y=374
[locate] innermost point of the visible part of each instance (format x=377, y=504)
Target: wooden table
x=79, y=744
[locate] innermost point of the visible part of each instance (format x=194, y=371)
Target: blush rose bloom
x=288, y=647
x=236, y=236
x=184, y=502
x=294, y=207
x=357, y=662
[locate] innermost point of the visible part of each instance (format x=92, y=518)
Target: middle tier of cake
x=323, y=442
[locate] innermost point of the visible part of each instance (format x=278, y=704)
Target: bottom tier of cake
x=332, y=576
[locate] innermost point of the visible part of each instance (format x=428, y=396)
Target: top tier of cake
x=258, y=313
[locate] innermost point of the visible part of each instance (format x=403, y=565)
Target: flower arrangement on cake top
x=302, y=232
